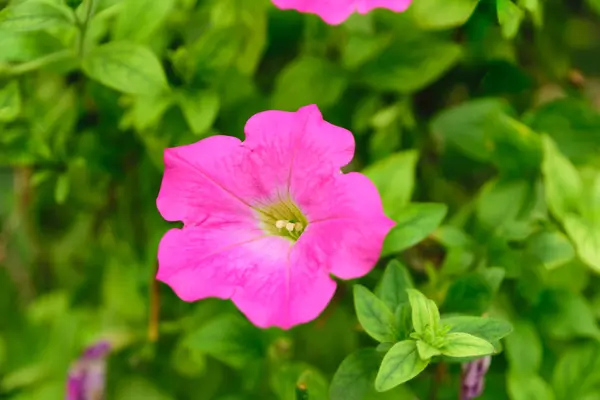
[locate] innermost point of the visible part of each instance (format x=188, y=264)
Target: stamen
x=298, y=227
x=290, y=226
x=280, y=224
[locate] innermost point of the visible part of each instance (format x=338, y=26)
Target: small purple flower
x=86, y=378
x=473, y=379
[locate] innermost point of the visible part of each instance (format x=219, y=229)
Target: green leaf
x=460, y=344
x=286, y=380
x=400, y=364
x=354, y=378
x=529, y=387
x=200, y=109
x=126, y=67
x=441, y=14
x=489, y=329
x=139, y=19
x=61, y=190
x=394, y=177
x=230, y=339
x=469, y=294
x=413, y=224
x=34, y=15
x=393, y=284
x=577, y=373
x=586, y=236
x=10, y=102
x=403, y=317
x=561, y=181
x=568, y=315
x=374, y=316
x=425, y=313
x=327, y=83
x=510, y=17
x=500, y=201
x=408, y=66
x=27, y=46
x=552, y=248
x=524, y=348
x=361, y=48
x=137, y=388
x=426, y=351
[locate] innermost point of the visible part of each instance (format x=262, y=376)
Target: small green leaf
x=426, y=351
x=510, y=16
x=403, y=317
x=425, y=313
x=413, y=224
x=400, y=364
x=461, y=344
x=524, y=348
x=577, y=372
x=61, y=190
x=374, y=316
x=586, y=236
x=552, y=248
x=230, y=339
x=138, y=19
x=200, y=109
x=489, y=329
x=35, y=15
x=393, y=284
x=126, y=67
x=354, y=378
x=10, y=102
x=530, y=387
x=442, y=14
x=394, y=177
x=327, y=83
x=561, y=180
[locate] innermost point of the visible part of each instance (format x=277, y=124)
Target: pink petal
x=364, y=6
x=347, y=224
x=294, y=149
x=197, y=181
x=331, y=11
x=287, y=291
x=210, y=260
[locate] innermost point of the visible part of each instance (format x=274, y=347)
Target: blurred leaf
x=230, y=339
x=400, y=364
x=469, y=294
x=467, y=126
x=286, y=379
x=361, y=48
x=500, y=202
x=568, y=316
x=425, y=314
x=528, y=387
x=200, y=109
x=327, y=84
x=486, y=328
x=35, y=15
x=562, y=181
x=460, y=344
x=394, y=177
x=355, y=376
x=138, y=19
x=586, y=236
x=137, y=388
x=393, y=284
x=61, y=191
x=374, y=316
x=524, y=348
x=126, y=67
x=26, y=46
x=577, y=372
x=510, y=17
x=552, y=248
x=121, y=291
x=440, y=14
x=409, y=66
x=10, y=102
x=413, y=224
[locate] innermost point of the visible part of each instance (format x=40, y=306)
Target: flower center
x=283, y=218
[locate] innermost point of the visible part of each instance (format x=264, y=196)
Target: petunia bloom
x=337, y=11
x=267, y=220
x=474, y=377
x=87, y=377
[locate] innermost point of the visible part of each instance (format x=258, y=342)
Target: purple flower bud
x=86, y=380
x=473, y=379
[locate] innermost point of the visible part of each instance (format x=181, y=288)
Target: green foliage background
x=477, y=120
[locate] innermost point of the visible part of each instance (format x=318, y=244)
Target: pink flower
x=337, y=11
x=267, y=220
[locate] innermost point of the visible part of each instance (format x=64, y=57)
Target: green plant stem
x=83, y=27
